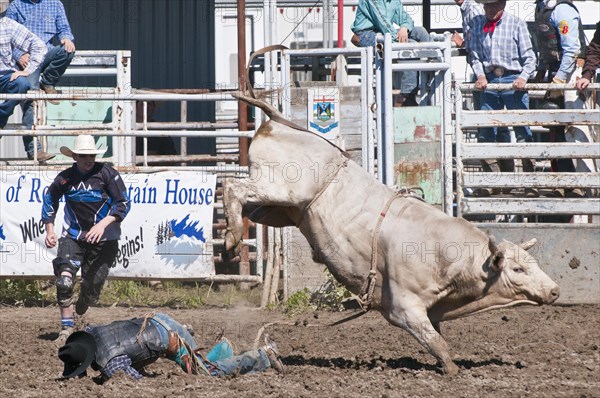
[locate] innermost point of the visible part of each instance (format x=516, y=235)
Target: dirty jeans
x=248, y=362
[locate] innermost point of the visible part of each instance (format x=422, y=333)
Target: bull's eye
x=518, y=270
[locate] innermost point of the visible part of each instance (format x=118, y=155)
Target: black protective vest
x=548, y=35
x=119, y=338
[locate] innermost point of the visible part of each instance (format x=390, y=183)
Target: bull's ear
x=529, y=244
x=497, y=257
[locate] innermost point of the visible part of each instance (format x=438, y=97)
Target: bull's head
x=520, y=280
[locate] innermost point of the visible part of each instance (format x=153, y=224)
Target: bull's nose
x=554, y=293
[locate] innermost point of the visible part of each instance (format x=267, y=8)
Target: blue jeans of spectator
x=18, y=86
x=55, y=63
x=408, y=80
x=498, y=100
x=248, y=362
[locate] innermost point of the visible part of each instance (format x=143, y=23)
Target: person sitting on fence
x=15, y=81
x=46, y=19
x=500, y=51
x=130, y=345
x=382, y=16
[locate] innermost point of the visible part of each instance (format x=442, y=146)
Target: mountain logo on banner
x=176, y=237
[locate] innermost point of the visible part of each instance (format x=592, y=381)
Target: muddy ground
x=527, y=351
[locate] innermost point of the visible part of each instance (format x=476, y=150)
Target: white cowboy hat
x=84, y=145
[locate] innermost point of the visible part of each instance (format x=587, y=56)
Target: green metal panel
x=418, y=151
x=78, y=112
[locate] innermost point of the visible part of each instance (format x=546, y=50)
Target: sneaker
x=50, y=90
x=273, y=355
x=42, y=156
x=81, y=307
x=63, y=335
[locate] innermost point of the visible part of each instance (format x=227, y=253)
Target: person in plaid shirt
x=500, y=51
x=47, y=19
x=13, y=81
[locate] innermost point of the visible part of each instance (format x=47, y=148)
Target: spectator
x=95, y=204
x=500, y=51
x=592, y=61
x=46, y=19
x=562, y=47
x=382, y=16
x=13, y=81
x=130, y=345
x=469, y=9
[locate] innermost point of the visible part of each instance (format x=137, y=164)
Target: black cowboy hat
x=78, y=353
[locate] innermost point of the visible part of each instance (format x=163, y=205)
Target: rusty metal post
x=243, y=116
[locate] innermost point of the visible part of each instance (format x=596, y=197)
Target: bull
x=412, y=262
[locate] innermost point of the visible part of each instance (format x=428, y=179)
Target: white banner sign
x=167, y=233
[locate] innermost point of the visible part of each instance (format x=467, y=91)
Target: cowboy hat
x=78, y=353
x=84, y=145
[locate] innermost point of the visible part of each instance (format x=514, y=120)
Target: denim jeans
x=18, y=86
x=406, y=80
x=498, y=100
x=248, y=362
x=55, y=63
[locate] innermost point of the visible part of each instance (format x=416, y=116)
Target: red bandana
x=490, y=26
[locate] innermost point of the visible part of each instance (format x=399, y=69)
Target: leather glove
x=554, y=94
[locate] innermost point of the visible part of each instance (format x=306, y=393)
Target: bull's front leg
x=415, y=321
x=234, y=196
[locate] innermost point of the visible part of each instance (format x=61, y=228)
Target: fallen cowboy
x=130, y=345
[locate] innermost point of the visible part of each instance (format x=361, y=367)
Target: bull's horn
x=529, y=244
x=492, y=245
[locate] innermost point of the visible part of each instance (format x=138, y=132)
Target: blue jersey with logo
x=88, y=199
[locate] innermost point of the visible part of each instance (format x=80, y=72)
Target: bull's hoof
x=230, y=241
x=450, y=369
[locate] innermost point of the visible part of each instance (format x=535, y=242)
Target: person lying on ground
x=130, y=345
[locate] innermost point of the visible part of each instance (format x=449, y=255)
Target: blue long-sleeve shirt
x=89, y=198
x=566, y=20
x=380, y=16
x=45, y=18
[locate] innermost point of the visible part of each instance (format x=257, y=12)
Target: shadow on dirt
x=468, y=364
x=390, y=363
x=344, y=363
x=48, y=336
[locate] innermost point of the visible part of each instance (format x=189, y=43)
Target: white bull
x=428, y=266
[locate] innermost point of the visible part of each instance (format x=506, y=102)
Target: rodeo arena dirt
x=522, y=352
x=306, y=228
